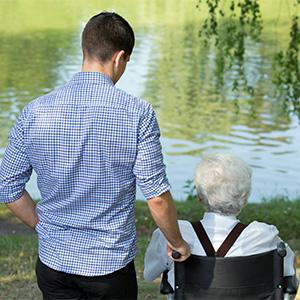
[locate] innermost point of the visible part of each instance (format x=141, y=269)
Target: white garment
x=256, y=238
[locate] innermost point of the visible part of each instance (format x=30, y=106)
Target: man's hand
x=184, y=250
x=164, y=214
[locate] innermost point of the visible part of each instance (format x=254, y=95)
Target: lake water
x=172, y=69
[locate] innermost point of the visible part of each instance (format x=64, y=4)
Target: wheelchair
x=254, y=277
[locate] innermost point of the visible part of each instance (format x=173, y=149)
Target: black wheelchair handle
x=176, y=254
x=281, y=249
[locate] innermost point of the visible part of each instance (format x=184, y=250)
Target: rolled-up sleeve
x=149, y=168
x=15, y=169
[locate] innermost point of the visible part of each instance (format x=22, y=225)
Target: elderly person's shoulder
x=261, y=228
x=184, y=226
x=159, y=241
x=258, y=237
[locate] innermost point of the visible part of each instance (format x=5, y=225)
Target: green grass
x=18, y=253
x=17, y=261
x=282, y=213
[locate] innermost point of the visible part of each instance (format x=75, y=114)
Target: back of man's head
x=104, y=34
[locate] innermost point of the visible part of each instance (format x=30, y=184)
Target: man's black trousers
x=55, y=285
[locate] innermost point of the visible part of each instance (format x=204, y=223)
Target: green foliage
x=144, y=222
x=190, y=190
x=287, y=74
x=248, y=17
x=210, y=25
x=232, y=29
x=282, y=213
x=230, y=32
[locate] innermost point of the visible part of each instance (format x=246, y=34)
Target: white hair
x=223, y=183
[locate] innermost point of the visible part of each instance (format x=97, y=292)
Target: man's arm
x=163, y=211
x=15, y=171
x=24, y=209
x=149, y=170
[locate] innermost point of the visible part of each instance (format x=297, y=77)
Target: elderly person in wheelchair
x=223, y=183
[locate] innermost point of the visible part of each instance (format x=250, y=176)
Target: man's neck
x=93, y=66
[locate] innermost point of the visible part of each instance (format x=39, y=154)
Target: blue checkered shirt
x=89, y=144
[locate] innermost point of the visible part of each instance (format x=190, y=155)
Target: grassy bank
x=18, y=251
x=284, y=214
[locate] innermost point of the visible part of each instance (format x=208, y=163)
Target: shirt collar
x=92, y=77
x=210, y=218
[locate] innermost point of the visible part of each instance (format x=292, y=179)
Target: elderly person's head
x=223, y=183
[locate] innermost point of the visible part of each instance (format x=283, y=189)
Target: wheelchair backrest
x=252, y=277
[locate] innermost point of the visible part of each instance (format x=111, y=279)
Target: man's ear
x=117, y=57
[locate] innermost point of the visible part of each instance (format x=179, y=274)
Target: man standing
x=89, y=144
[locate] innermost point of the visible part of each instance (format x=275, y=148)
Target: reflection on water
x=273, y=156
x=178, y=74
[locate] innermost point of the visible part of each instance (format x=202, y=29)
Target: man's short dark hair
x=106, y=33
